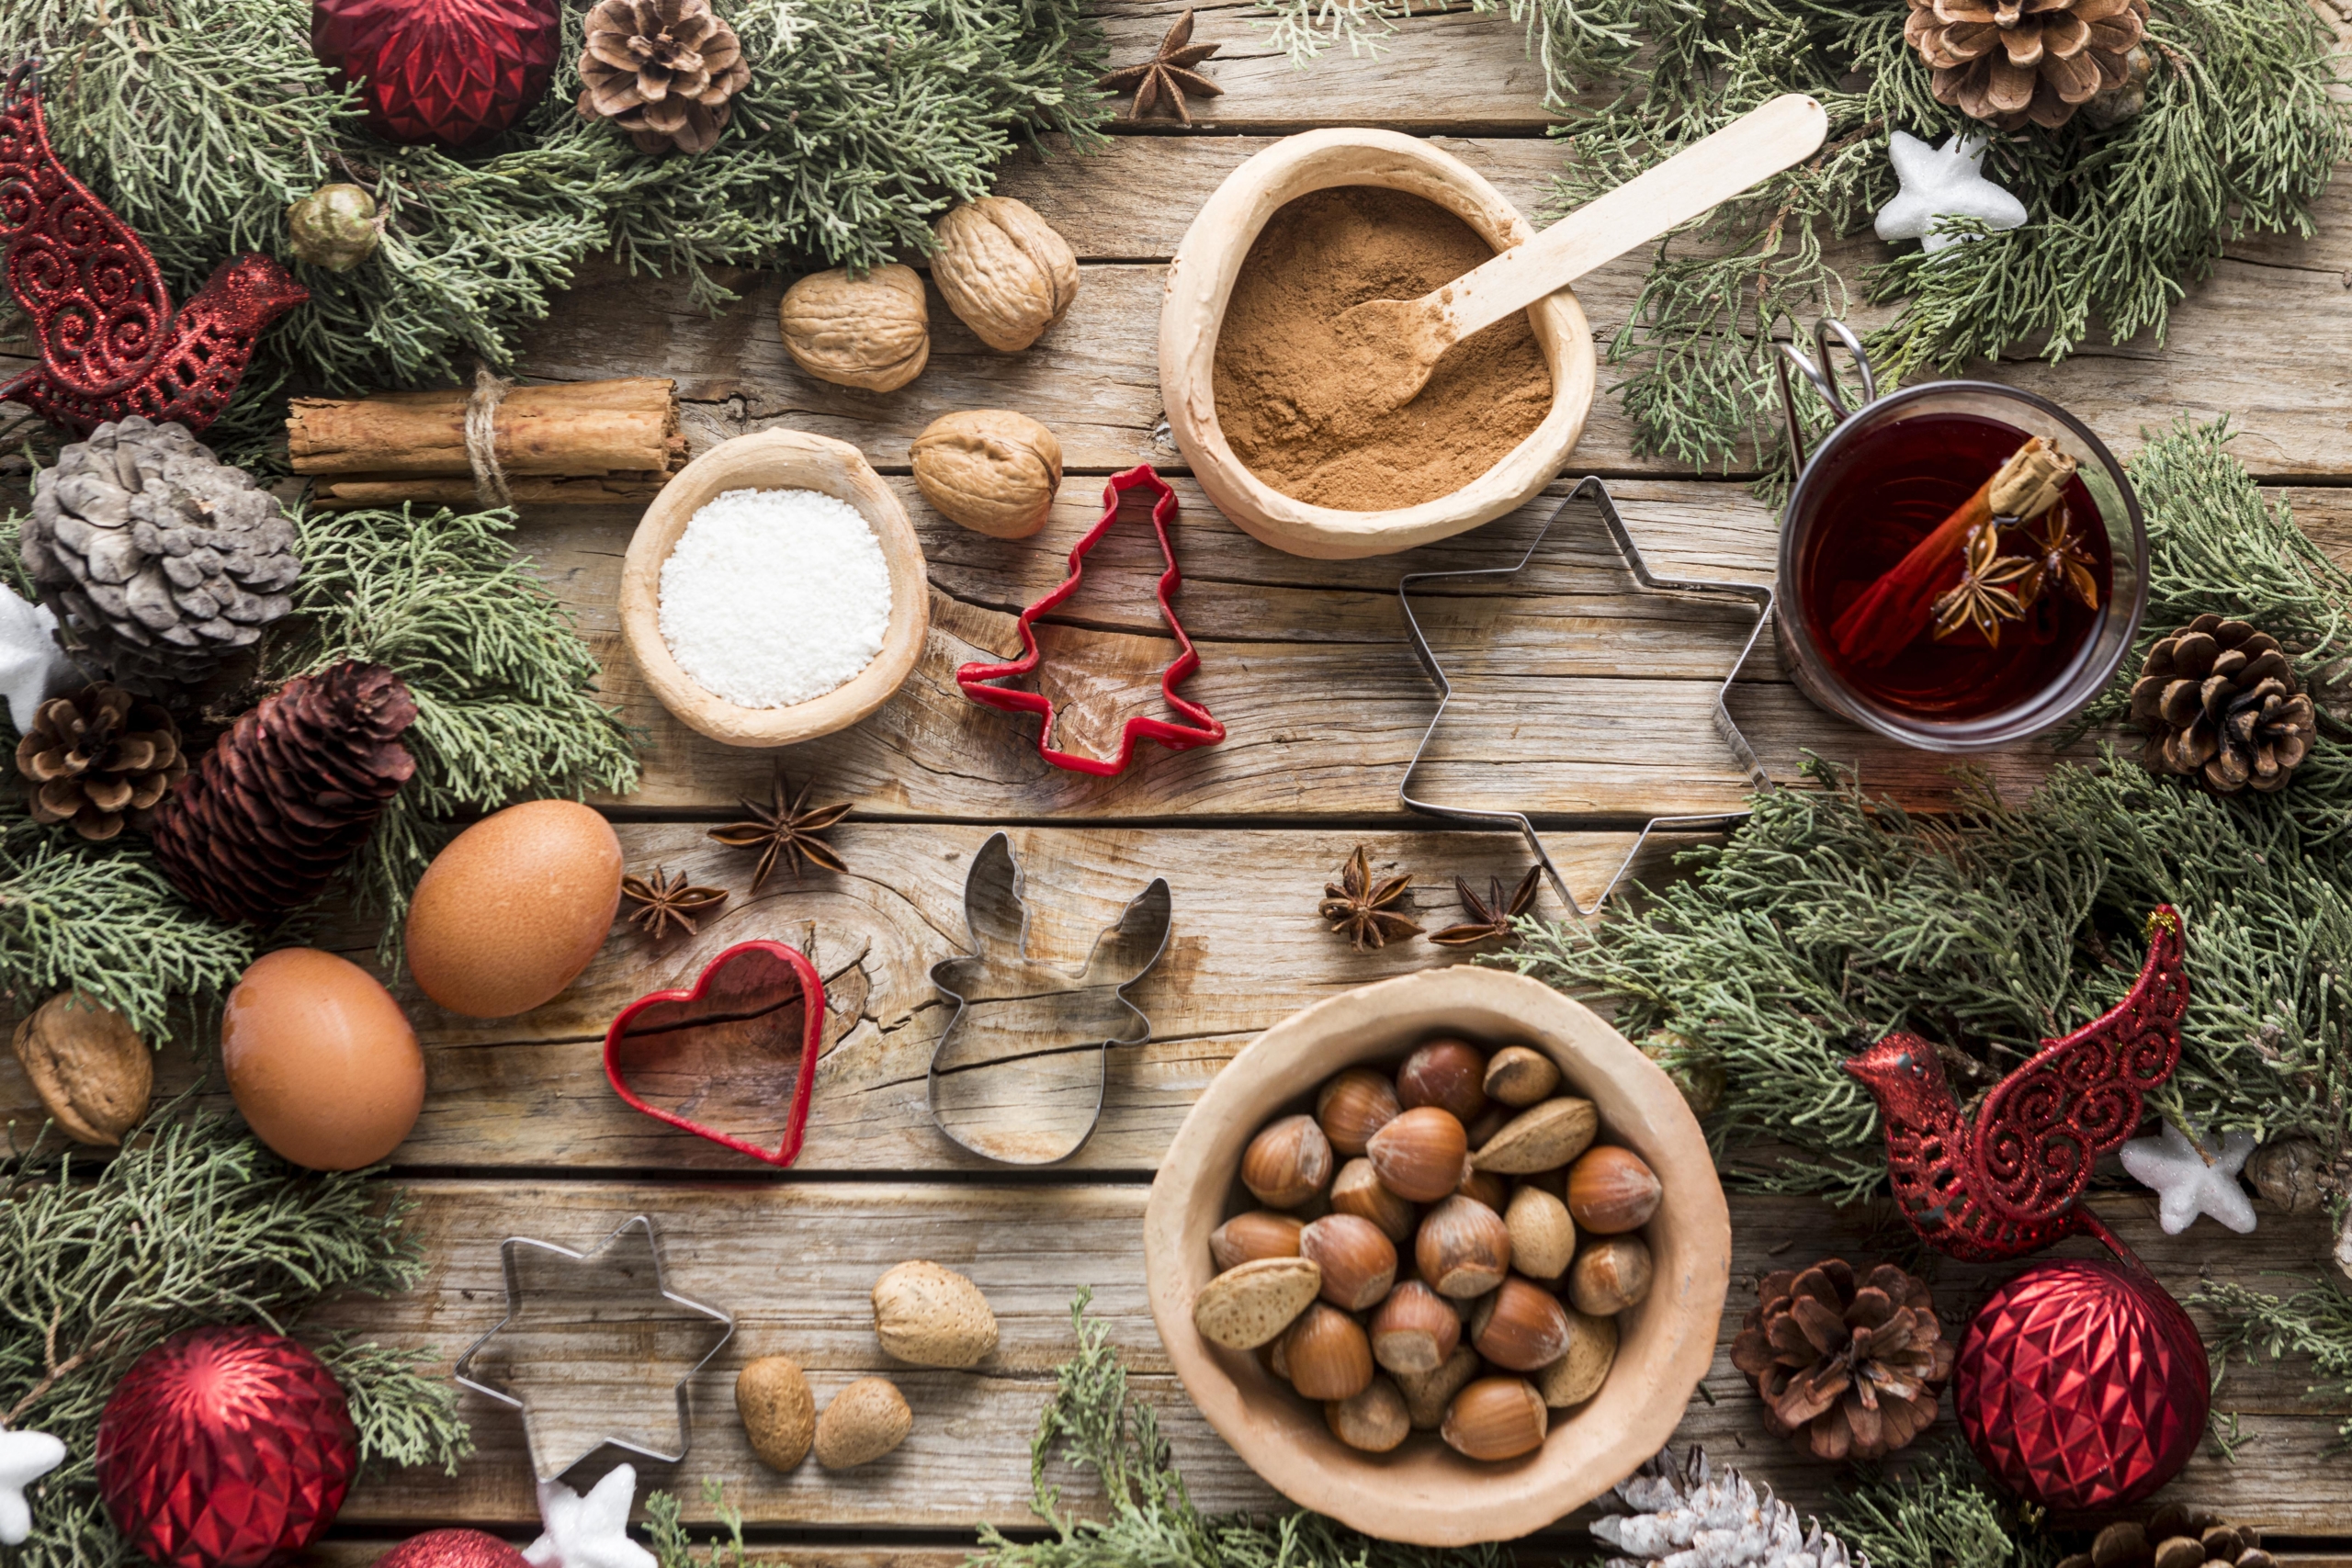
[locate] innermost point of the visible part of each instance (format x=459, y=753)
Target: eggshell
x=511, y=911
x=320, y=1060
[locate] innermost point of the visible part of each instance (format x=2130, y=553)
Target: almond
x=1540, y=1138
x=1577, y=1375
x=1243, y=1308
x=772, y=1400
x=1543, y=1236
x=865, y=1420
x=1519, y=1075
x=931, y=1316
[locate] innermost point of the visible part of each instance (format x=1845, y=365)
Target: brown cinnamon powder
x=1284, y=391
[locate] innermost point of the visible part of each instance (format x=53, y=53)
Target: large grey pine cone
x=160, y=560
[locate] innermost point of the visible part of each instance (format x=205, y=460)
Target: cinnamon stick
x=620, y=437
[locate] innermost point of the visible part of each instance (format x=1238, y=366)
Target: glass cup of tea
x=1908, y=603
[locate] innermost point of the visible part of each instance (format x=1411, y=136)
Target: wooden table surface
x=1586, y=700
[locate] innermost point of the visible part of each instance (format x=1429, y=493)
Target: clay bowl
x=1200, y=282
x=1424, y=1493
x=774, y=459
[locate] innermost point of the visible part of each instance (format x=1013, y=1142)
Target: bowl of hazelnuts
x=1443, y=1257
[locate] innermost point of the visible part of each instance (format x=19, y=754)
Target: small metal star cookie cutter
x=548, y=1459
x=1046, y=1013
x=1760, y=595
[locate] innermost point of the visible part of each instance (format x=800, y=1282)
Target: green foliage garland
x=192, y=1223
x=1829, y=919
x=2314, y=1323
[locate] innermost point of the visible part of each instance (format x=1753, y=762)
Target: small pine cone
x=2011, y=61
x=2174, y=1537
x=99, y=760
x=1852, y=1367
x=665, y=71
x=2220, y=702
x=289, y=794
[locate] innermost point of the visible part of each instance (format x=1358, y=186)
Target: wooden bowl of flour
x=1200, y=285
x=774, y=459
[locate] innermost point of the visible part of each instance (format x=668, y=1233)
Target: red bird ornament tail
x=110, y=342
x=2010, y=1182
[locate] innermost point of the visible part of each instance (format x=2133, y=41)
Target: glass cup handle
x=1817, y=371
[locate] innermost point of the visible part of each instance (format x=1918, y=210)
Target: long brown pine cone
x=665, y=71
x=2220, y=702
x=2008, y=62
x=289, y=794
x=1851, y=1367
x=99, y=758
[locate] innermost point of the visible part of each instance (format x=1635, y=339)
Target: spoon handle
x=1748, y=151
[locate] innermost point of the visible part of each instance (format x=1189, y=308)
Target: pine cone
x=662, y=70
x=2220, y=702
x=161, y=560
x=2174, y=1537
x=2007, y=62
x=1681, y=1514
x=1854, y=1366
x=98, y=760
x=289, y=794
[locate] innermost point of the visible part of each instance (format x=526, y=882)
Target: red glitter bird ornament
x=455, y=72
x=2011, y=1182
x=110, y=342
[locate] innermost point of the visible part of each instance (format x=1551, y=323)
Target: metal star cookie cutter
x=554, y=1447
x=1045, y=1014
x=1760, y=595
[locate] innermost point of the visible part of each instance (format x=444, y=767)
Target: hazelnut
x=1578, y=1376
x=1486, y=1186
x=1328, y=1354
x=1287, y=1162
x=1448, y=1073
x=1244, y=1307
x=1354, y=1106
x=1611, y=1190
x=1540, y=1138
x=1414, y=1330
x=1427, y=1394
x=91, y=1071
x=1374, y=1421
x=1543, y=1236
x=1495, y=1418
x=1521, y=1327
x=865, y=1420
x=871, y=331
x=1419, y=1155
x=1357, y=1190
x=1359, y=1264
x=1519, y=1075
x=1463, y=1248
x=1610, y=1275
x=989, y=469
x=1003, y=270
x=1246, y=1237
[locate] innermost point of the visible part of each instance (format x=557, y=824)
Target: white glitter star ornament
x=25, y=1457
x=591, y=1531
x=1940, y=183
x=2193, y=1178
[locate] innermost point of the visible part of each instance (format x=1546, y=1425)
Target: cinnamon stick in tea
x=1898, y=607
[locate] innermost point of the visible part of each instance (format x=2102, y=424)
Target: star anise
x=1358, y=909
x=2057, y=556
x=787, y=829
x=1982, y=598
x=1490, y=917
x=1168, y=75
x=663, y=900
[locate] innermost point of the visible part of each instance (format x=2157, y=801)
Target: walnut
x=1003, y=271
x=89, y=1066
x=870, y=331
x=992, y=470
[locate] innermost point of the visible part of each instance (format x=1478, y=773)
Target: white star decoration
x=25, y=1457
x=2193, y=1178
x=591, y=1531
x=1940, y=183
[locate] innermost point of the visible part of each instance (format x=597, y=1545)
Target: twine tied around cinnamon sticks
x=482, y=436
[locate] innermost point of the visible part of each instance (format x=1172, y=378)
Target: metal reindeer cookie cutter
x=571, y=1419
x=1760, y=595
x=1039, y=1023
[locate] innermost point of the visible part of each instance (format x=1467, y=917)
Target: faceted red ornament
x=452, y=1549
x=2082, y=1385
x=448, y=70
x=225, y=1448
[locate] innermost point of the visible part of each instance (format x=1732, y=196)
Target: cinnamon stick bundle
x=585, y=442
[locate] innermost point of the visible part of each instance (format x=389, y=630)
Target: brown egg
x=512, y=910
x=320, y=1060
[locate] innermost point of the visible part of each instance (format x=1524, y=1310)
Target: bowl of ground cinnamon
x=1259, y=396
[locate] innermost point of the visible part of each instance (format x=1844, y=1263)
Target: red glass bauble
x=225, y=1448
x=2082, y=1385
x=453, y=1549
x=448, y=70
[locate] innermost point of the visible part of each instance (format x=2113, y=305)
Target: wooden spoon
x=1393, y=344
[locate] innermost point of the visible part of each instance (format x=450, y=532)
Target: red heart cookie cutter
x=731, y=1002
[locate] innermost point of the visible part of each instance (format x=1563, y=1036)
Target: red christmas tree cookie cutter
x=1203, y=729
x=736, y=991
